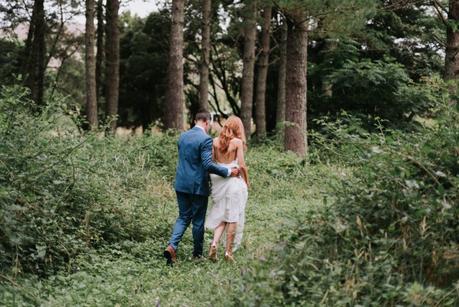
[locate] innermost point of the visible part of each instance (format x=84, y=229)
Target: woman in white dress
x=229, y=195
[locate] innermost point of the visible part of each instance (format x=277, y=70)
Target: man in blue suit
x=192, y=184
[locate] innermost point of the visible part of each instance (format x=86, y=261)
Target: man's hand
x=235, y=172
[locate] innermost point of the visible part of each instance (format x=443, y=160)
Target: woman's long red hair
x=233, y=128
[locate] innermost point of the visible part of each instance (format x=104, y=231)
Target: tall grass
x=63, y=193
x=368, y=219
x=389, y=238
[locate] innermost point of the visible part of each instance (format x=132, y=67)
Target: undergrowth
x=390, y=237
x=368, y=219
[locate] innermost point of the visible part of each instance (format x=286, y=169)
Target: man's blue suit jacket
x=195, y=163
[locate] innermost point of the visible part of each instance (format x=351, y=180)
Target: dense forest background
x=378, y=59
x=354, y=149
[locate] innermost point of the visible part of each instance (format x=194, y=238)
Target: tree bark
x=296, y=86
x=35, y=53
x=280, y=107
x=112, y=61
x=205, y=56
x=100, y=57
x=260, y=103
x=26, y=57
x=175, y=100
x=90, y=65
x=250, y=36
x=452, y=42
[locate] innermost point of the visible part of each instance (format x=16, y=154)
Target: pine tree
x=90, y=65
x=452, y=42
x=335, y=16
x=295, y=84
x=260, y=105
x=175, y=100
x=112, y=61
x=205, y=55
x=34, y=60
x=100, y=56
x=250, y=36
x=280, y=102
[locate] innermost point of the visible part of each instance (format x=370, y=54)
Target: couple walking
x=223, y=158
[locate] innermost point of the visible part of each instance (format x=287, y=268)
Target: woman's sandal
x=229, y=257
x=213, y=253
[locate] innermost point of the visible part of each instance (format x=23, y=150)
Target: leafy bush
x=10, y=52
x=389, y=239
x=62, y=193
x=384, y=89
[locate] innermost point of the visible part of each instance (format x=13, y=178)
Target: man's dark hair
x=203, y=115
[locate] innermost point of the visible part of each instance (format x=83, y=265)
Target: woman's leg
x=230, y=234
x=218, y=233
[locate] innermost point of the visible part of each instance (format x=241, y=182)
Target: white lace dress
x=229, y=198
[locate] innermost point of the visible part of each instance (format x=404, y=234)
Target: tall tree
x=280, y=103
x=263, y=62
x=175, y=100
x=205, y=55
x=452, y=41
x=35, y=53
x=295, y=83
x=90, y=65
x=250, y=36
x=100, y=57
x=334, y=17
x=112, y=51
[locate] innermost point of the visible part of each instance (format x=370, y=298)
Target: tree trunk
x=260, y=103
x=205, y=56
x=26, y=57
x=296, y=87
x=452, y=42
x=100, y=57
x=175, y=100
x=91, y=91
x=250, y=36
x=280, y=107
x=35, y=53
x=112, y=61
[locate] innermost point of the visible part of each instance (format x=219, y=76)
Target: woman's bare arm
x=214, y=150
x=241, y=161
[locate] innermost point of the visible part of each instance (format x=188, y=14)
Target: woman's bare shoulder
x=216, y=141
x=236, y=141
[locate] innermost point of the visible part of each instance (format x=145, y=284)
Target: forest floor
x=87, y=218
x=132, y=273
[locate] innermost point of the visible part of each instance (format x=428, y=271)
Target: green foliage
x=333, y=17
x=144, y=49
x=61, y=193
x=10, y=53
x=354, y=72
x=410, y=33
x=134, y=180
x=371, y=220
x=390, y=238
x=384, y=89
x=69, y=82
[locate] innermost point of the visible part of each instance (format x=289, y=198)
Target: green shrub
x=383, y=89
x=62, y=192
x=390, y=238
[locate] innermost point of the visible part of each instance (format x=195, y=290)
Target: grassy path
x=134, y=273
x=137, y=275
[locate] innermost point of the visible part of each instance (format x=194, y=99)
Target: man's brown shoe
x=170, y=255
